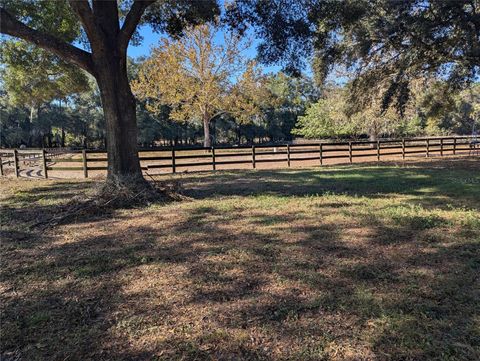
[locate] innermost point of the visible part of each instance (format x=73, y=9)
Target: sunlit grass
x=339, y=263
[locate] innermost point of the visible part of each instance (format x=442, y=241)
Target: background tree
x=199, y=78
x=332, y=116
x=107, y=28
x=446, y=112
x=14, y=123
x=86, y=121
x=326, y=118
x=34, y=78
x=292, y=95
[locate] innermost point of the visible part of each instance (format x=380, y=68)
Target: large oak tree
x=105, y=27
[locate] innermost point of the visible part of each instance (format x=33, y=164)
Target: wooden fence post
x=253, y=157
x=213, y=158
x=378, y=150
x=85, y=163
x=173, y=161
x=454, y=145
x=15, y=162
x=428, y=148
x=44, y=164
x=350, y=155
x=288, y=155
x=321, y=153
x=403, y=148
x=1, y=166
x=441, y=147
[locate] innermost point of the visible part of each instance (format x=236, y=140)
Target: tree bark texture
x=207, y=141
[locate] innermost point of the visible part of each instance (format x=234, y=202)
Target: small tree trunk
x=213, y=136
x=32, y=113
x=374, y=133
x=239, y=135
x=207, y=141
x=62, y=139
x=120, y=118
x=373, y=137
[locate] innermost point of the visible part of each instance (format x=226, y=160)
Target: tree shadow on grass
x=436, y=315
x=425, y=184
x=32, y=211
x=76, y=316
x=201, y=283
x=240, y=295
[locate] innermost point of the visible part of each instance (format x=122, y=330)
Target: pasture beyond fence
x=171, y=160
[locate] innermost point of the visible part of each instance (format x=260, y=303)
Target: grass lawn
x=359, y=262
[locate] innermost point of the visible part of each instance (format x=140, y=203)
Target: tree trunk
x=374, y=131
x=373, y=136
x=120, y=118
x=207, y=141
x=32, y=113
x=62, y=139
x=239, y=135
x=213, y=136
x=29, y=128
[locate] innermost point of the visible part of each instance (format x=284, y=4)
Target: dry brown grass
x=346, y=263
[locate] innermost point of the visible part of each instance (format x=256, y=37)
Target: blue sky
x=149, y=39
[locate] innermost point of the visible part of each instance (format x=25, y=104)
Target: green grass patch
x=335, y=263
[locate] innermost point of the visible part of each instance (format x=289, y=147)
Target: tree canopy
x=200, y=79
x=386, y=44
x=33, y=77
x=431, y=110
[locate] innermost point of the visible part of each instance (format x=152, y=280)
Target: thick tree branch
x=106, y=16
x=13, y=27
x=85, y=14
x=131, y=21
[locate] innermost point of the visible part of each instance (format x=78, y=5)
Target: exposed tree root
x=113, y=195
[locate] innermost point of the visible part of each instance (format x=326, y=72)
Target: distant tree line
x=192, y=90
x=432, y=109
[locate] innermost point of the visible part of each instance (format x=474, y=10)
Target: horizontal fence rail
x=172, y=160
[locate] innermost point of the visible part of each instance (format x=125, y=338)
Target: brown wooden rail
x=287, y=154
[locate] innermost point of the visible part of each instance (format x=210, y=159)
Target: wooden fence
x=173, y=160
